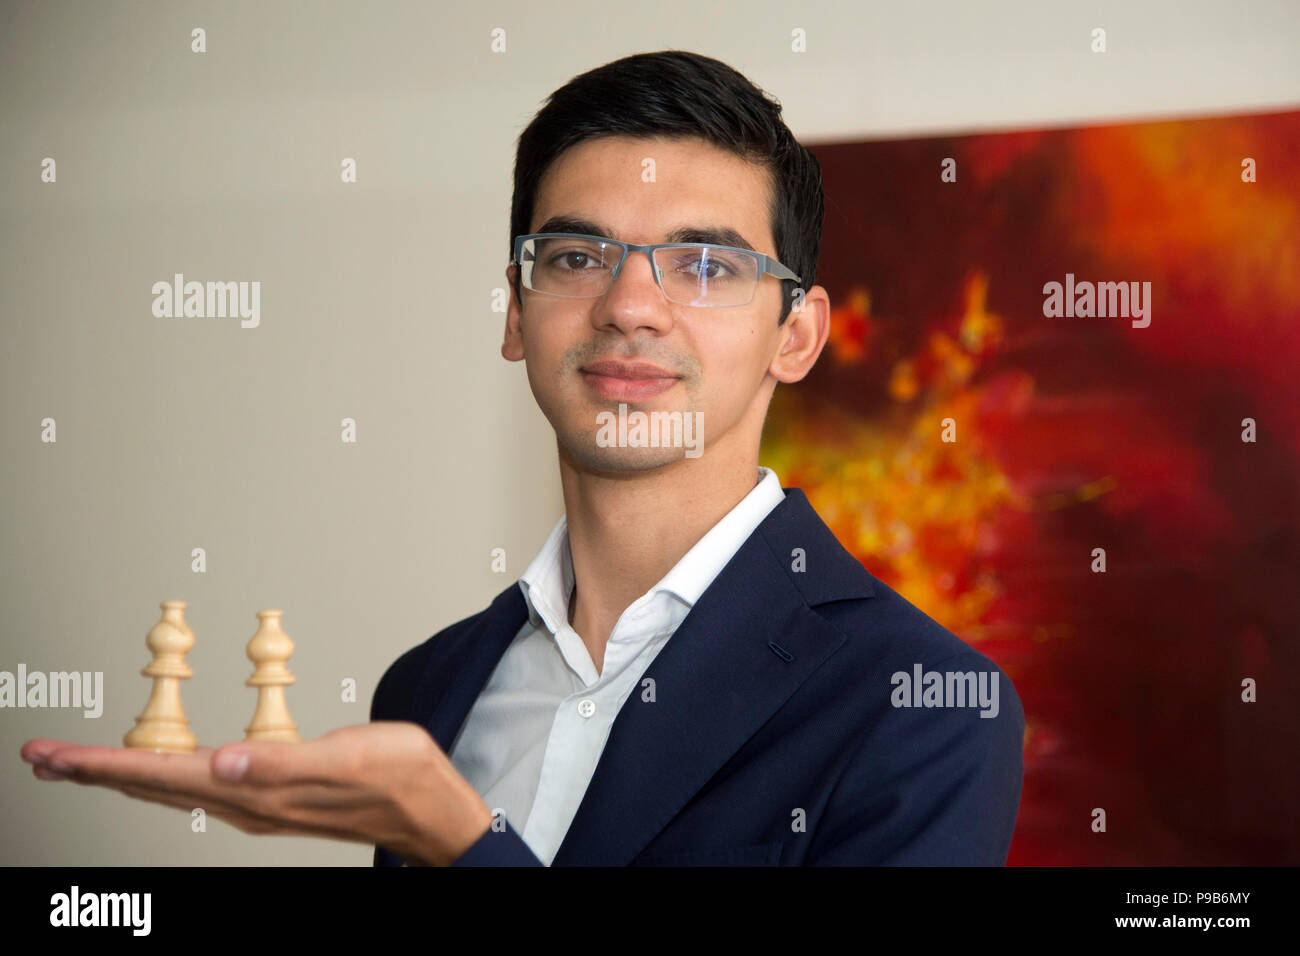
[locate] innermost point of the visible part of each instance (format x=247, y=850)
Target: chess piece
x=270, y=649
x=162, y=726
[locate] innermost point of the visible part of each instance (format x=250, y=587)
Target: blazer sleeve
x=494, y=848
x=499, y=848
x=930, y=787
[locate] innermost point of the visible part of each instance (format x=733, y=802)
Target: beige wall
x=179, y=433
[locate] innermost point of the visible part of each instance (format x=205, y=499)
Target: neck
x=627, y=530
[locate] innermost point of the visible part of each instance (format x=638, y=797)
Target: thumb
x=230, y=764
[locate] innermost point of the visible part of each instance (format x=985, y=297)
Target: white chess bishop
x=270, y=649
x=162, y=725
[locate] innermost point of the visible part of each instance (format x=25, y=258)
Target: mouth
x=627, y=381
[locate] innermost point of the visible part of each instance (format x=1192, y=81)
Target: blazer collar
x=717, y=680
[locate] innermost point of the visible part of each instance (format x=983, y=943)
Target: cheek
x=543, y=351
x=551, y=374
x=732, y=370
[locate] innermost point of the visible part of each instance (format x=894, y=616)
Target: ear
x=512, y=346
x=803, y=336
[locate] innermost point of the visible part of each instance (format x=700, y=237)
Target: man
x=692, y=670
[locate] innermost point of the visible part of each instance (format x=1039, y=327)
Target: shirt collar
x=547, y=582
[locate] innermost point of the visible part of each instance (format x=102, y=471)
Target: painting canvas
x=1058, y=412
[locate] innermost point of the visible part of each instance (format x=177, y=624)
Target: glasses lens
x=569, y=266
x=707, y=276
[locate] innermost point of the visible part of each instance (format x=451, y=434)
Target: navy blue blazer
x=776, y=733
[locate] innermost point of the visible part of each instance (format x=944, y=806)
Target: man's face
x=711, y=360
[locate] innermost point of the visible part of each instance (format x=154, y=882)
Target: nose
x=634, y=299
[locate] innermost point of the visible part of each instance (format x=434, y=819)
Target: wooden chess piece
x=162, y=726
x=270, y=649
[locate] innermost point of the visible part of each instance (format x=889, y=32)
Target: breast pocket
x=757, y=854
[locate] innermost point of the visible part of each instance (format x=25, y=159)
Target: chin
x=590, y=457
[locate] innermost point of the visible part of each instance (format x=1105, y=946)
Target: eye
x=572, y=260
x=580, y=259
x=712, y=265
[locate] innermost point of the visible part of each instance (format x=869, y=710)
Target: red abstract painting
x=1106, y=501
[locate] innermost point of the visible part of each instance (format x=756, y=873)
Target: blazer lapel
x=457, y=673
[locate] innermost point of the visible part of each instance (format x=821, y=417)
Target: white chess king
x=162, y=725
x=270, y=649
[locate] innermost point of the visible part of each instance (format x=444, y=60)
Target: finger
x=187, y=774
x=112, y=763
x=251, y=822
x=185, y=801
x=38, y=749
x=265, y=763
x=243, y=815
x=329, y=760
x=338, y=757
x=314, y=806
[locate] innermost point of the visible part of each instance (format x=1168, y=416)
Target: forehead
x=658, y=189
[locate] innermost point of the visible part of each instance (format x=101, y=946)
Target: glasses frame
x=766, y=264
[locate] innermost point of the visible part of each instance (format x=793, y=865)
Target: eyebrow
x=718, y=235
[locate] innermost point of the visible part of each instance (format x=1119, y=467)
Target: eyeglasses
x=700, y=274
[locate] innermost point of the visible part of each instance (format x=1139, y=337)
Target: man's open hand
x=386, y=782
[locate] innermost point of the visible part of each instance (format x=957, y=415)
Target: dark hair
x=676, y=93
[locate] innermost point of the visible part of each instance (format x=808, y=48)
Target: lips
x=633, y=371
x=627, y=381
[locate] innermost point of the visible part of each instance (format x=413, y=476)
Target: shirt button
x=587, y=707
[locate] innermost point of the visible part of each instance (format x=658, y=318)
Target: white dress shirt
x=531, y=741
